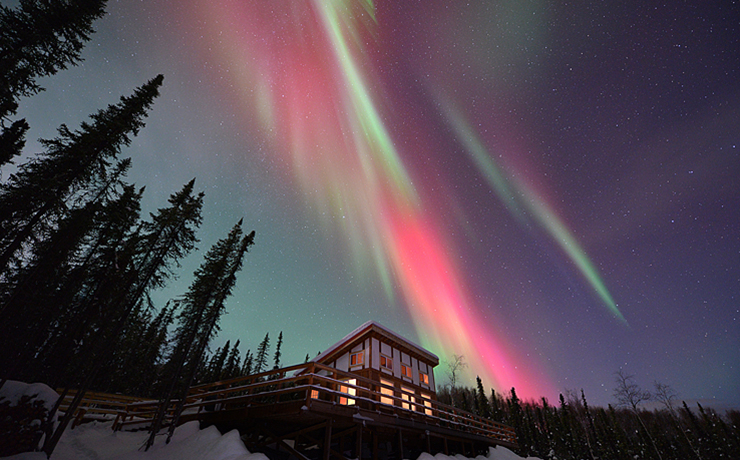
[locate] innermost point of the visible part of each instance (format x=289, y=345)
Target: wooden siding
x=376, y=341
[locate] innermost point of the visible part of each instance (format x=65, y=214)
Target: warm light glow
x=386, y=391
x=427, y=403
x=356, y=359
x=349, y=391
x=406, y=397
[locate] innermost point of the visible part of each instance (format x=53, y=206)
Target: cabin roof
x=372, y=326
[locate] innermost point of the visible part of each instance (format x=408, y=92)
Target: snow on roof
x=370, y=325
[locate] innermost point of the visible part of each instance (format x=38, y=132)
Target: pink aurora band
x=304, y=73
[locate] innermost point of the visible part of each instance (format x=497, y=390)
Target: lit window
x=427, y=403
x=386, y=362
x=405, y=371
x=386, y=392
x=356, y=359
x=349, y=391
x=424, y=378
x=405, y=396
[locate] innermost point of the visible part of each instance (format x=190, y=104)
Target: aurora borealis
x=547, y=189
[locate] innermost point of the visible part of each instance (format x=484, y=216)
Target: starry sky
x=549, y=189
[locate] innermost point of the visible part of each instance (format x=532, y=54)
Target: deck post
x=375, y=445
x=327, y=440
x=400, y=444
x=358, y=447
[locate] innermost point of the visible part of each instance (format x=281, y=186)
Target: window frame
x=406, y=371
x=360, y=361
x=348, y=400
x=388, y=365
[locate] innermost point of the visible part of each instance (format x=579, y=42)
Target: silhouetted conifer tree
x=516, y=417
x=145, y=358
x=12, y=140
x=278, y=353
x=36, y=196
x=484, y=409
x=260, y=360
x=41, y=301
x=497, y=413
x=247, y=366
x=202, y=307
x=217, y=367
x=231, y=368
x=86, y=293
x=38, y=38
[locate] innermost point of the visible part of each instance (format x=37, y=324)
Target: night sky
x=549, y=189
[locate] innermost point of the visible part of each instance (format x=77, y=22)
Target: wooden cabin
x=370, y=396
x=400, y=367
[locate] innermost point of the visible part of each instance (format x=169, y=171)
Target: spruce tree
x=41, y=300
x=143, y=267
x=12, y=140
x=39, y=38
x=202, y=307
x=484, y=409
x=36, y=196
x=231, y=368
x=220, y=360
x=497, y=413
x=247, y=366
x=88, y=316
x=205, y=370
x=516, y=420
x=277, y=351
x=260, y=360
x=133, y=367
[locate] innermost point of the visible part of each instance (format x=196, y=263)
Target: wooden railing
x=312, y=382
x=96, y=405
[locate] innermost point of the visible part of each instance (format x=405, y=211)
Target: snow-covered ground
x=97, y=441
x=13, y=391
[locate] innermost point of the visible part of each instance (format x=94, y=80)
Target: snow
x=13, y=391
x=497, y=453
x=96, y=441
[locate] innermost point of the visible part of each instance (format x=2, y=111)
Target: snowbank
x=497, y=453
x=96, y=441
x=13, y=391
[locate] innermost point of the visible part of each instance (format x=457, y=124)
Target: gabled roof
x=370, y=327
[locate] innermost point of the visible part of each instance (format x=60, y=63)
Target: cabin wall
x=343, y=361
x=373, y=348
x=375, y=353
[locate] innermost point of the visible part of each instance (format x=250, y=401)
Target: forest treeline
x=78, y=261
x=572, y=430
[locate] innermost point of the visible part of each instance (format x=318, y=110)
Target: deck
x=311, y=412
